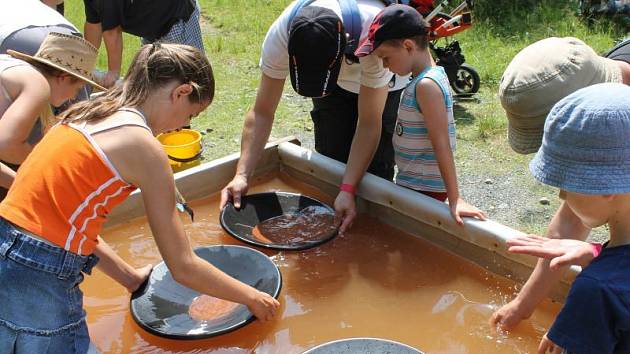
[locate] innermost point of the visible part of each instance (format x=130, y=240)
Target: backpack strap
x=352, y=23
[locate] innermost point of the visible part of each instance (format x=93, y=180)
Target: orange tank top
x=66, y=187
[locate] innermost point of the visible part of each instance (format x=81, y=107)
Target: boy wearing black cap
x=425, y=128
x=353, y=113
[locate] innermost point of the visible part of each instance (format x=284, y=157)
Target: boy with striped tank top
x=424, y=138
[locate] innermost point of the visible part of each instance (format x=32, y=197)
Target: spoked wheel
x=467, y=80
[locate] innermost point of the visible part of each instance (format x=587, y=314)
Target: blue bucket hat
x=586, y=142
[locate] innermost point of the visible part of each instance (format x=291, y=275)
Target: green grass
x=233, y=35
x=506, y=27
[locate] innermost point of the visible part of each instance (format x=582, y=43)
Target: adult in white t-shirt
x=354, y=103
x=25, y=24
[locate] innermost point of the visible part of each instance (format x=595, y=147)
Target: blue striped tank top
x=415, y=158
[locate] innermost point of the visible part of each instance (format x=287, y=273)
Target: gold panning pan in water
x=280, y=220
x=165, y=308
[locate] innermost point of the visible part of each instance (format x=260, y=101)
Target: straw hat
x=70, y=54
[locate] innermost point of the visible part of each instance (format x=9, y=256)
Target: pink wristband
x=597, y=249
x=345, y=187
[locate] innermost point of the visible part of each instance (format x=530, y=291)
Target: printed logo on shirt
x=399, y=129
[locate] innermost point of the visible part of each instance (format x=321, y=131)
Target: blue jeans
x=41, y=307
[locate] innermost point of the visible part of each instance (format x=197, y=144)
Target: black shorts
x=335, y=118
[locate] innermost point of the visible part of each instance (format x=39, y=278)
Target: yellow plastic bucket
x=182, y=147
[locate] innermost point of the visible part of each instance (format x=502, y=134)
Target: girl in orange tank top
x=103, y=150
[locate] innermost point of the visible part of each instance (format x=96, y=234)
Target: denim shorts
x=41, y=307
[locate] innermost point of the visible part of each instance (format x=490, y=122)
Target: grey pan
x=161, y=305
x=363, y=346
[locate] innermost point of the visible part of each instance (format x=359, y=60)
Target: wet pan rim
x=323, y=346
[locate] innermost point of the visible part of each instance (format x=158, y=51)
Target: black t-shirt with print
x=149, y=19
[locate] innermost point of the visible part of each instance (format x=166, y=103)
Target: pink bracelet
x=345, y=187
x=597, y=249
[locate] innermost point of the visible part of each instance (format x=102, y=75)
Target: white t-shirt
x=29, y=13
x=274, y=61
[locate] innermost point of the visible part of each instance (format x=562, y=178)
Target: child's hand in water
x=460, y=208
x=263, y=306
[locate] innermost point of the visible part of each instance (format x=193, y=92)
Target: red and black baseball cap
x=393, y=22
x=316, y=47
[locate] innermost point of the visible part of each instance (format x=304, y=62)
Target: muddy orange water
x=373, y=281
x=205, y=307
x=313, y=223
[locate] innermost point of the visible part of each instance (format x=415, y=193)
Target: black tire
x=467, y=80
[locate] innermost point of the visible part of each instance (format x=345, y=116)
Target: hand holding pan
x=168, y=309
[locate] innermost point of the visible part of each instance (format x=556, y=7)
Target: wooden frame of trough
x=482, y=242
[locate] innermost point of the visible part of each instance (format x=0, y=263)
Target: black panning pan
x=161, y=305
x=261, y=207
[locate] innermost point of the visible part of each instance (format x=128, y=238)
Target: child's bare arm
x=564, y=224
x=116, y=268
x=30, y=93
x=113, y=40
x=7, y=176
x=147, y=167
x=431, y=100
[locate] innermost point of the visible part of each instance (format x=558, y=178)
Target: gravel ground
x=507, y=201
